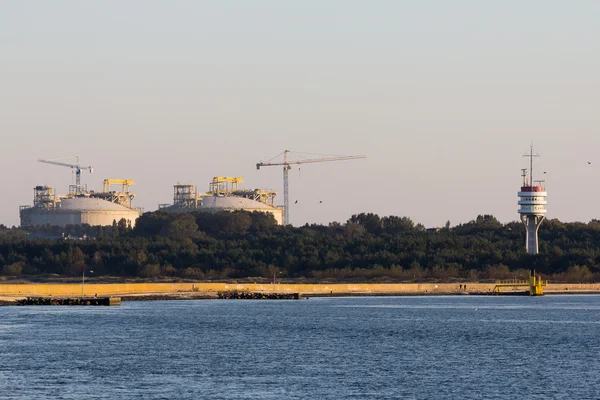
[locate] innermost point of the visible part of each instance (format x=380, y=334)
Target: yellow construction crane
x=124, y=197
x=222, y=183
x=125, y=183
x=78, y=168
x=287, y=166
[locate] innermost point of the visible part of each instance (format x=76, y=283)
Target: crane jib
x=78, y=168
x=287, y=166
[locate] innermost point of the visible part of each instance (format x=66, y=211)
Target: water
x=329, y=348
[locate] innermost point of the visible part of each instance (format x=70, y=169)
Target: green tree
x=181, y=227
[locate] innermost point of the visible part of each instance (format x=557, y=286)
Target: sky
x=443, y=98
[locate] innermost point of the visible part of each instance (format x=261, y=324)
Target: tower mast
x=286, y=189
x=531, y=155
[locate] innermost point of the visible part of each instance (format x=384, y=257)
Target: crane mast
x=287, y=166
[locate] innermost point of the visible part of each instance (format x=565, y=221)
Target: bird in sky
x=589, y=162
x=321, y=201
x=296, y=202
x=544, y=172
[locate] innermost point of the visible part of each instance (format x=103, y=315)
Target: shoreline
x=11, y=300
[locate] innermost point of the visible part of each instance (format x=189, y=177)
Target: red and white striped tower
x=532, y=205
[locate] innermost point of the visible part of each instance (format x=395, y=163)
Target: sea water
x=463, y=347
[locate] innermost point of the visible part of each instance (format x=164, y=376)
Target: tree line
x=243, y=245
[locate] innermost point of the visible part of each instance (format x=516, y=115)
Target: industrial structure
x=286, y=164
x=78, y=168
x=532, y=205
x=223, y=195
x=535, y=284
x=81, y=206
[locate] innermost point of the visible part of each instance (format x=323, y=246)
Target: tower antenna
x=524, y=175
x=531, y=155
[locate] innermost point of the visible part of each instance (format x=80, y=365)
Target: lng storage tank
x=223, y=195
x=81, y=206
x=103, y=208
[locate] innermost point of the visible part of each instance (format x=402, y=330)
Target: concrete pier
x=69, y=301
x=20, y=290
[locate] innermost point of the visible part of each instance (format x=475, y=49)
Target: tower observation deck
x=532, y=205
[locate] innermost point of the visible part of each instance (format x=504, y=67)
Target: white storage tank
x=78, y=211
x=187, y=199
x=231, y=203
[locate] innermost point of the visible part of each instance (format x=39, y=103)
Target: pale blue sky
x=444, y=98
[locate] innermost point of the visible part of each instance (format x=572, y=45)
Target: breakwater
x=116, y=289
x=69, y=301
x=235, y=295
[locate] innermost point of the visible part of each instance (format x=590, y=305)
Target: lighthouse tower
x=532, y=205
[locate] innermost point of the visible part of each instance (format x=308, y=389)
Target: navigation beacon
x=532, y=205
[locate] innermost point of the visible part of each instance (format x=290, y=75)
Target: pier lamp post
x=83, y=280
x=274, y=277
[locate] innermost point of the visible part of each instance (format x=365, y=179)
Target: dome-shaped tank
x=78, y=208
x=231, y=203
x=186, y=199
x=78, y=211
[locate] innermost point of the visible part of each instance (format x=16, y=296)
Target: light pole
x=83, y=280
x=274, y=274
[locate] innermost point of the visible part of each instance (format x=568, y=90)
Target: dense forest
x=242, y=245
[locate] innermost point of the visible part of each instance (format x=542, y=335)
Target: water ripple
x=351, y=348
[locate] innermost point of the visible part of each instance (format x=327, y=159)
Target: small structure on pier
x=535, y=284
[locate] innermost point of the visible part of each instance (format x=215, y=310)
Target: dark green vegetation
x=250, y=245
